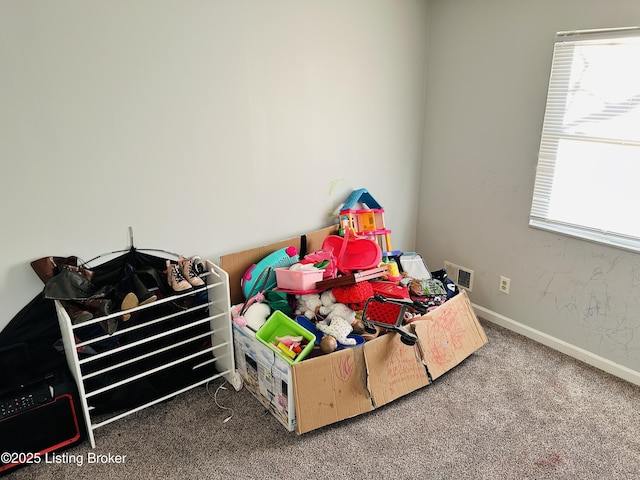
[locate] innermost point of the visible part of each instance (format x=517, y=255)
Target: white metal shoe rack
x=176, y=339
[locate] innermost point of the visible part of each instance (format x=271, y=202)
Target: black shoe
x=144, y=295
x=155, y=277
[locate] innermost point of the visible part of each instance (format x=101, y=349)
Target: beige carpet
x=513, y=410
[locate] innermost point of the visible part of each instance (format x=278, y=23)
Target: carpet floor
x=514, y=409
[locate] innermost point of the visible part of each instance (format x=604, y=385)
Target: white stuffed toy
x=308, y=304
x=256, y=315
x=327, y=298
x=337, y=319
x=330, y=309
x=339, y=328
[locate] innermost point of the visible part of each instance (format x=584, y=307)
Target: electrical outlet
x=505, y=284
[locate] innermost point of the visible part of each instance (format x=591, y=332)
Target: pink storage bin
x=298, y=280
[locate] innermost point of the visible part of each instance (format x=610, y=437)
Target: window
x=588, y=176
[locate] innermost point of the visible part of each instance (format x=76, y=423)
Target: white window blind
x=588, y=176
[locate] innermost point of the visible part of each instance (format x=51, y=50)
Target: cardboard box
x=265, y=375
x=329, y=388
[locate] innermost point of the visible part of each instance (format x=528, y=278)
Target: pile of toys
x=353, y=289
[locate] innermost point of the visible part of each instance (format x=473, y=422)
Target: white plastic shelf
x=197, y=337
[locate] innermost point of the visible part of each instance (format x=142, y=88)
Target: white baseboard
x=560, y=345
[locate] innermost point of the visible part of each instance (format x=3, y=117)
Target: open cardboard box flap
x=448, y=334
x=330, y=388
x=394, y=369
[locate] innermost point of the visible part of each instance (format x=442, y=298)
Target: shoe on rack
x=110, y=326
x=99, y=307
x=189, y=272
x=152, y=276
x=198, y=265
x=77, y=313
x=86, y=273
x=48, y=267
x=144, y=295
x=130, y=300
x=175, y=279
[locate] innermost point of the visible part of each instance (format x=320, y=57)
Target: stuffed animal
x=238, y=312
x=327, y=298
x=339, y=328
x=256, y=315
x=330, y=309
x=308, y=304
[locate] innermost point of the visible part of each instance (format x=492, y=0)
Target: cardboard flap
x=330, y=388
x=449, y=334
x=236, y=264
x=394, y=368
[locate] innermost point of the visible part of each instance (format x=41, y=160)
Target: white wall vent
x=461, y=276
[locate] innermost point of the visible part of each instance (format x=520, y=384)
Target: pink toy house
x=364, y=216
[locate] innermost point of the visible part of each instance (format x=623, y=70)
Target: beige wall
x=213, y=126
x=488, y=68
x=207, y=126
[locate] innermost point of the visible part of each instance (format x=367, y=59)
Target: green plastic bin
x=279, y=325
